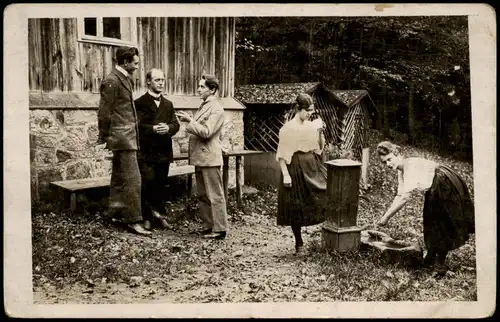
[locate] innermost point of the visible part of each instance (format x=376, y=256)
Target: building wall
x=65, y=73
x=184, y=47
x=63, y=144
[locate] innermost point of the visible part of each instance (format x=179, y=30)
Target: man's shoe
x=156, y=214
x=215, y=235
x=164, y=224
x=300, y=251
x=138, y=229
x=147, y=224
x=201, y=232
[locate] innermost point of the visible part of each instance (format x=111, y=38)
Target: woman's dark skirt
x=448, y=212
x=303, y=204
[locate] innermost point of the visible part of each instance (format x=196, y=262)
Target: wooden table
x=238, y=154
x=239, y=180
x=181, y=156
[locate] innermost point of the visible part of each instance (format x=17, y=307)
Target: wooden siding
x=355, y=126
x=184, y=48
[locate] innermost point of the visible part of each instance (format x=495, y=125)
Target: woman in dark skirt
x=302, y=190
x=448, y=215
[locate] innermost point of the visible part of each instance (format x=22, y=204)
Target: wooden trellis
x=345, y=114
x=355, y=130
x=262, y=130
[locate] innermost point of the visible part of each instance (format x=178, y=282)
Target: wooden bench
x=73, y=187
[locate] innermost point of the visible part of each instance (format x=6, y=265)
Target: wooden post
x=190, y=185
x=239, y=181
x=365, y=160
x=72, y=201
x=340, y=229
x=225, y=176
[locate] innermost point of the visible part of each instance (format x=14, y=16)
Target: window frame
x=99, y=39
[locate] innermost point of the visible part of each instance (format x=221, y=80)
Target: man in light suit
x=157, y=125
x=205, y=153
x=118, y=129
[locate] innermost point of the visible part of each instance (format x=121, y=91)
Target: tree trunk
x=310, y=48
x=411, y=118
x=444, y=121
x=361, y=43
x=385, y=114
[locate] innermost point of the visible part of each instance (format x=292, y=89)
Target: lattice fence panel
x=354, y=130
x=262, y=131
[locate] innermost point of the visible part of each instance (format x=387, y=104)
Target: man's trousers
x=125, y=188
x=212, y=202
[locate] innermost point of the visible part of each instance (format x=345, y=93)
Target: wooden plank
x=140, y=48
x=107, y=61
x=270, y=133
x=184, y=57
x=203, y=55
x=190, y=59
x=197, y=53
x=180, y=156
x=181, y=170
x=217, y=57
x=53, y=80
x=156, y=43
x=171, y=55
x=242, y=152
x=223, y=56
x=72, y=201
x=239, y=181
x=232, y=55
x=34, y=53
x=45, y=37
x=328, y=119
x=63, y=43
x=212, y=44
x=99, y=182
x=97, y=68
x=225, y=177
x=81, y=184
x=178, y=56
x=265, y=139
x=74, y=81
x=164, y=49
x=251, y=145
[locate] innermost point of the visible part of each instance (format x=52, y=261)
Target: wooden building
x=69, y=57
x=348, y=116
x=355, y=117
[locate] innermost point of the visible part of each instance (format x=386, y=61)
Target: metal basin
x=392, y=250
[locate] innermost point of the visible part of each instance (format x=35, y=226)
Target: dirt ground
x=255, y=262
x=85, y=259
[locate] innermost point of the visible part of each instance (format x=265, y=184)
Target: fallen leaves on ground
x=86, y=259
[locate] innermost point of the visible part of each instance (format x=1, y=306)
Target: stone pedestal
x=340, y=230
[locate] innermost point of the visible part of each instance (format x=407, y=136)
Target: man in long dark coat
x=118, y=128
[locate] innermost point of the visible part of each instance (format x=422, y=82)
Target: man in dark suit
x=118, y=129
x=157, y=125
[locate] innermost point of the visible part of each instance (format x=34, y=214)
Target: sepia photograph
x=245, y=162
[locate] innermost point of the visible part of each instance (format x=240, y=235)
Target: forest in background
x=416, y=69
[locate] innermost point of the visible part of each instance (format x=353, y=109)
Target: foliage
x=394, y=58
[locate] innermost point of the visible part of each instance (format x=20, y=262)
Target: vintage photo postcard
x=250, y=160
